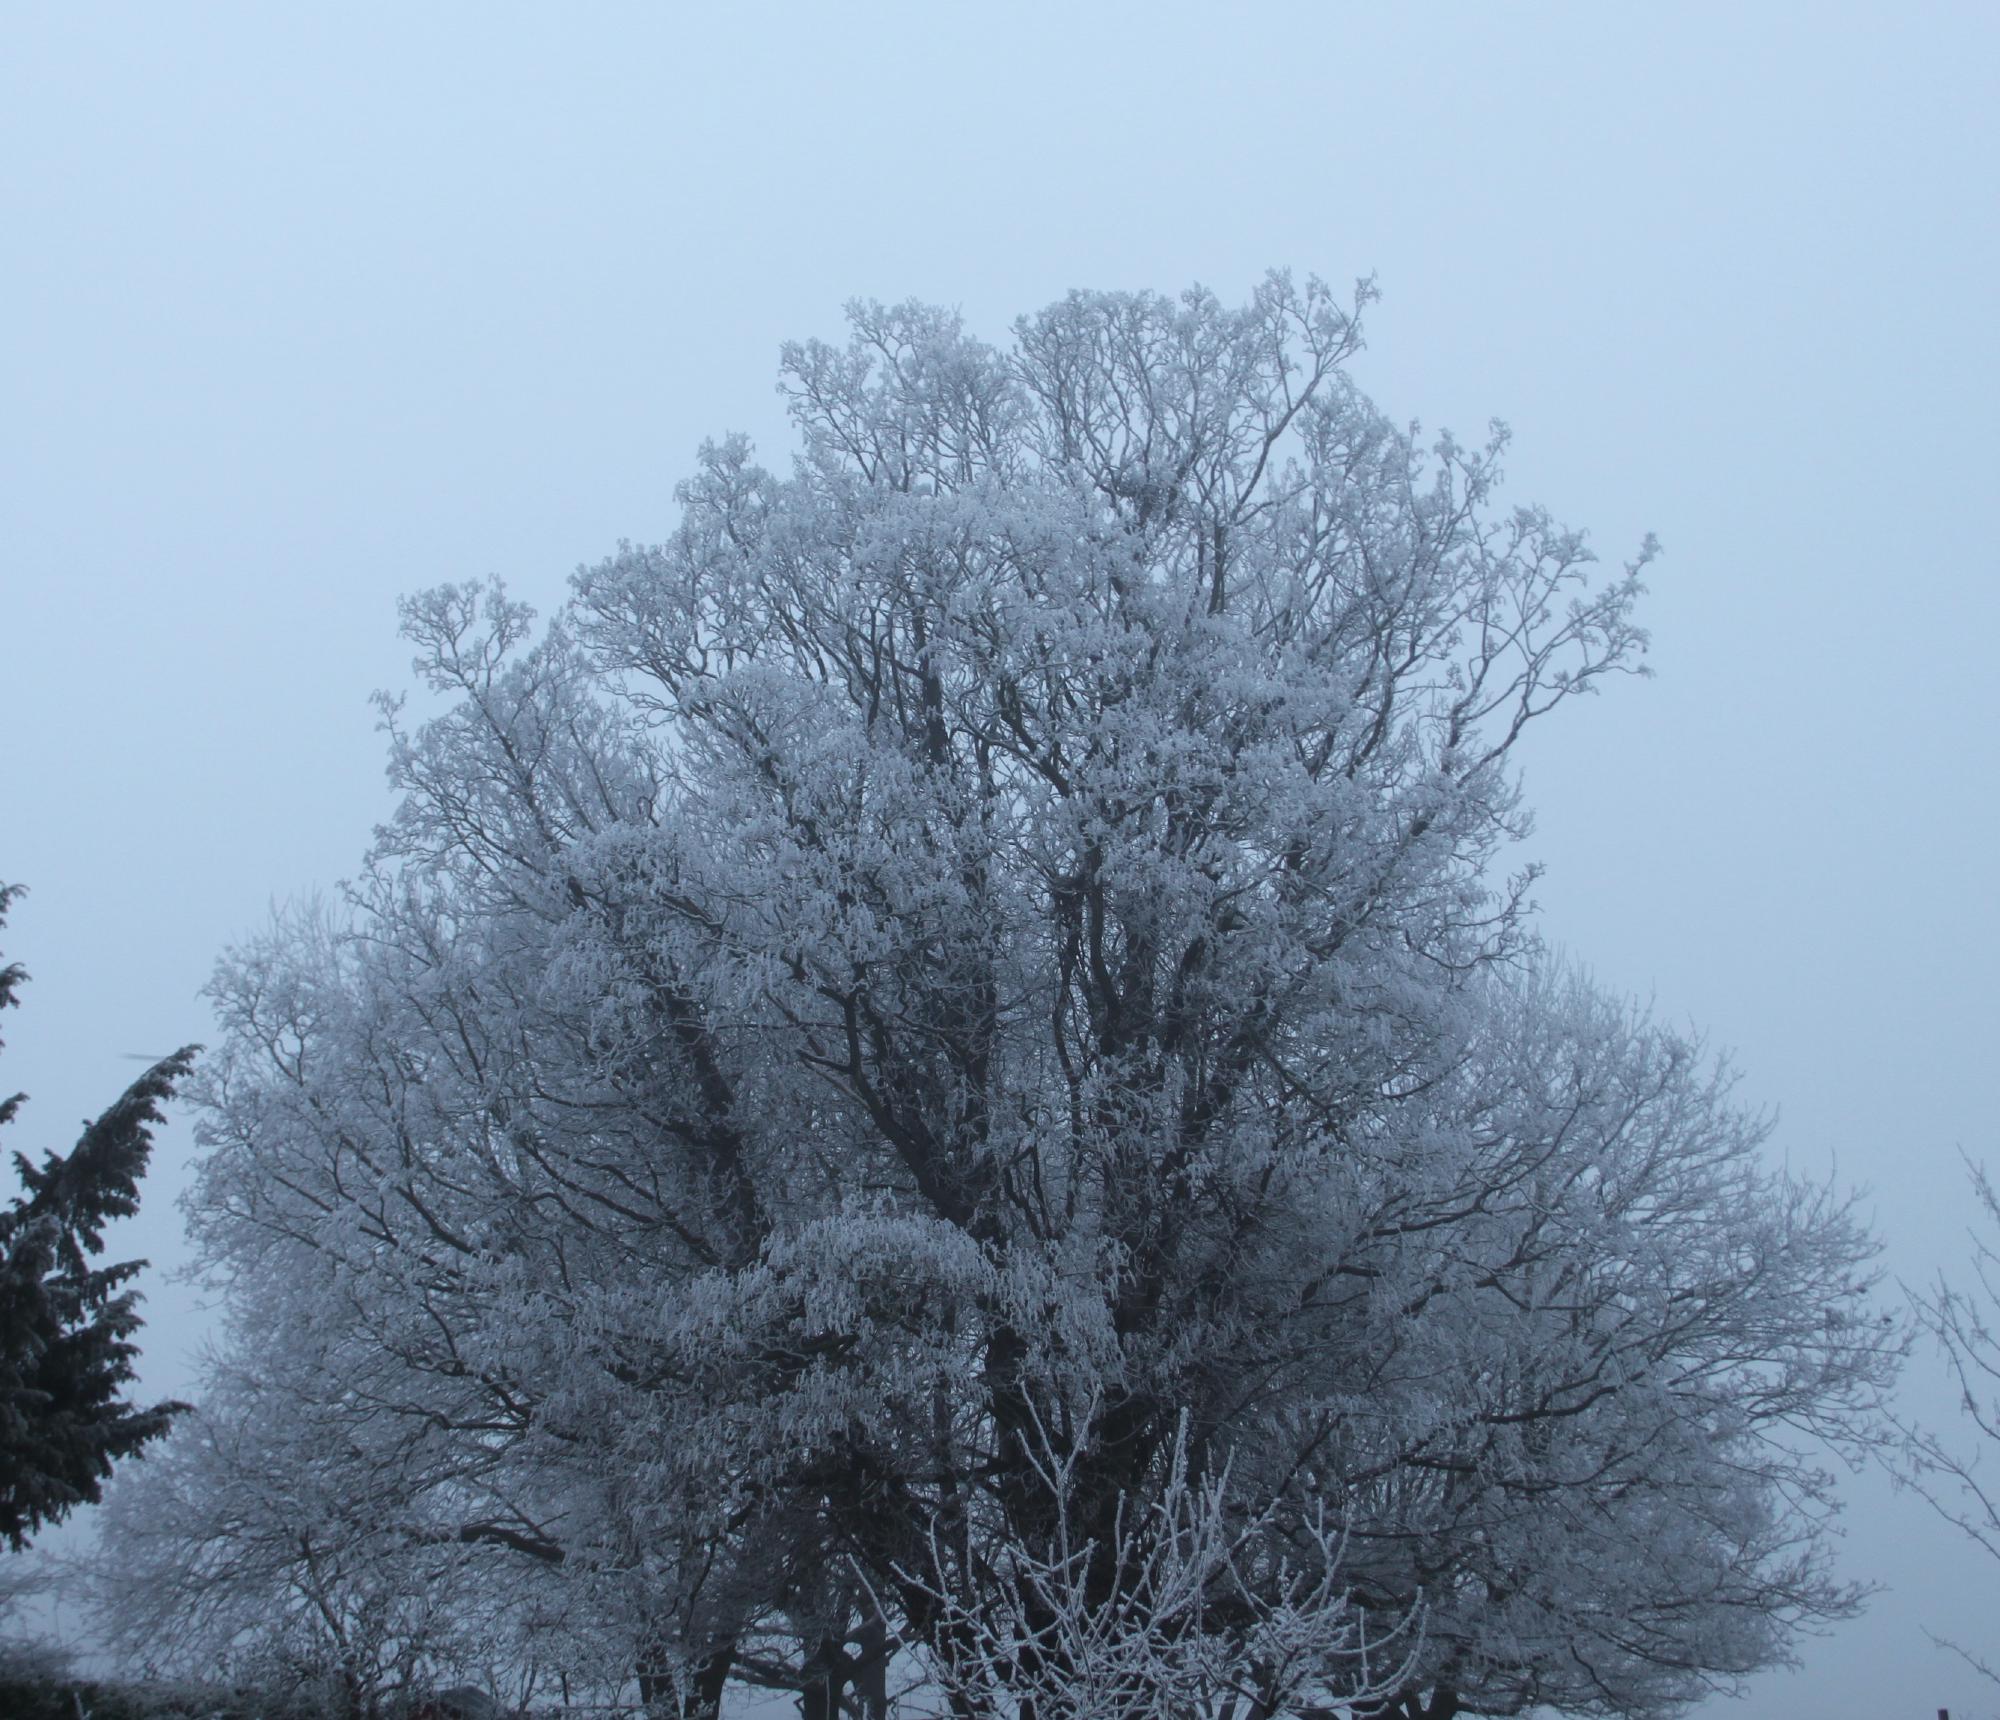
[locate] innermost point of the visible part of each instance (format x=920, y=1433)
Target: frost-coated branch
x=1185, y=1610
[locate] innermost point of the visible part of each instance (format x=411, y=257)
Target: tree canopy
x=67, y=1325
x=942, y=1071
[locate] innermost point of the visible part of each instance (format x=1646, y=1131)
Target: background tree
x=66, y=1325
x=963, y=1003
x=275, y=1542
x=1965, y=1322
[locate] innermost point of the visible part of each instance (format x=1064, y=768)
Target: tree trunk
x=869, y=1671
x=825, y=1682
x=698, y=1697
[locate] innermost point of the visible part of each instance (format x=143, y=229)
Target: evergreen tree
x=66, y=1325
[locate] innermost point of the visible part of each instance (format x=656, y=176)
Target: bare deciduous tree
x=1965, y=1322
x=964, y=1001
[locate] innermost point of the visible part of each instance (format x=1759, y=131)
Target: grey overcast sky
x=303, y=307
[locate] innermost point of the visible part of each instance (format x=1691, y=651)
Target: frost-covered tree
x=66, y=1324
x=1964, y=1320
x=953, y=1029
x=282, y=1539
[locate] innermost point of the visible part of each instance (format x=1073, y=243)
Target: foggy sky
x=304, y=308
